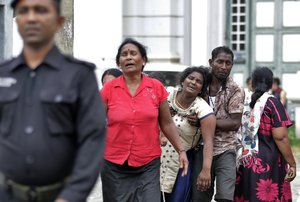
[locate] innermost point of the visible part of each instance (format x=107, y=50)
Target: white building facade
x=260, y=32
x=176, y=31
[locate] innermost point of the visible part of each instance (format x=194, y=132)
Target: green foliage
x=295, y=142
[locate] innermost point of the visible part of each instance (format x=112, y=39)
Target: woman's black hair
x=276, y=80
x=159, y=76
x=112, y=71
x=201, y=70
x=140, y=46
x=262, y=80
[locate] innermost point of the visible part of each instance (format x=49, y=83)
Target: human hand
x=163, y=140
x=183, y=162
x=193, y=120
x=204, y=180
x=291, y=174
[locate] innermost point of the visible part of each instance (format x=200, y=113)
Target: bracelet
x=180, y=151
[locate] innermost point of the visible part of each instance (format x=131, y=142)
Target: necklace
x=179, y=105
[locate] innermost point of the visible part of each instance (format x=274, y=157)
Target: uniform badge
x=7, y=81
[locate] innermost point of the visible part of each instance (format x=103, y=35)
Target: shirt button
x=32, y=74
x=29, y=130
x=58, y=98
x=29, y=159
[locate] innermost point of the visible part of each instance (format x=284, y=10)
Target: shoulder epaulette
x=85, y=63
x=6, y=62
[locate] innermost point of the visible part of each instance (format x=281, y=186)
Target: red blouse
x=133, y=132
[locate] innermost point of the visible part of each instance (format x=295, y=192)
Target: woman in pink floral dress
x=267, y=165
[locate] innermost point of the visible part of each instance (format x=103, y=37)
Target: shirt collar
x=17, y=62
x=120, y=81
x=53, y=59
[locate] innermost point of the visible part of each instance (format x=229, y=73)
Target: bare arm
x=208, y=126
x=170, y=131
x=231, y=124
x=163, y=139
x=280, y=135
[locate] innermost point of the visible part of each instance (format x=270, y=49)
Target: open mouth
x=191, y=88
x=129, y=65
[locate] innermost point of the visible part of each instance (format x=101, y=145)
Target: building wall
x=216, y=24
x=64, y=38
x=158, y=24
x=208, y=19
x=177, y=31
x=97, y=30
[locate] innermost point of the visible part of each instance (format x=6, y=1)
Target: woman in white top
x=183, y=102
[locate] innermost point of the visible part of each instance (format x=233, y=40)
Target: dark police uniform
x=52, y=129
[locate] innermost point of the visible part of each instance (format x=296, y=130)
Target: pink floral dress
x=263, y=180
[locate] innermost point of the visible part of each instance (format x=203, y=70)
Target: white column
x=97, y=31
x=199, y=38
x=216, y=24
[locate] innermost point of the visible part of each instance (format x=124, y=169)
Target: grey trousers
x=223, y=170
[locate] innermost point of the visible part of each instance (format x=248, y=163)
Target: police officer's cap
x=14, y=3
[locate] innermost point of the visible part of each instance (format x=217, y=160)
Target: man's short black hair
x=221, y=49
x=276, y=80
x=14, y=3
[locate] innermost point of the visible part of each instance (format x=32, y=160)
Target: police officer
x=52, y=123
